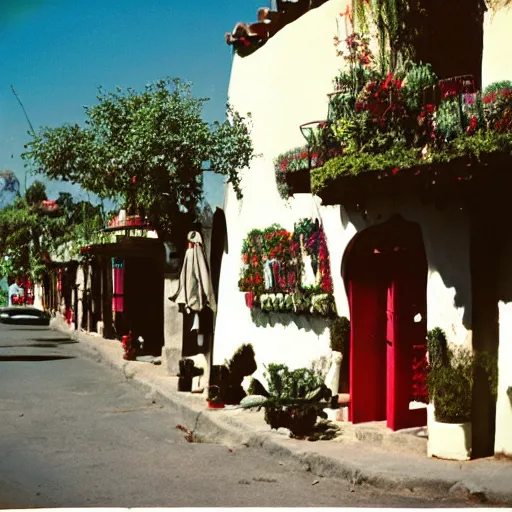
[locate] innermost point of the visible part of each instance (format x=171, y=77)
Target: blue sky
x=57, y=52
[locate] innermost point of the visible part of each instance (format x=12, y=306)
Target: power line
x=24, y=111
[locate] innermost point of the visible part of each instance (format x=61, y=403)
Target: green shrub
x=340, y=333
x=242, y=364
x=498, y=86
x=450, y=387
x=489, y=363
x=448, y=120
x=285, y=384
x=437, y=347
x=4, y=299
x=417, y=78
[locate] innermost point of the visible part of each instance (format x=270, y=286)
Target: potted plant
x=241, y=365
x=449, y=383
x=187, y=372
x=215, y=400
x=294, y=399
x=217, y=386
x=340, y=337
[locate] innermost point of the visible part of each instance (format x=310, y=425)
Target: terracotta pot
x=212, y=405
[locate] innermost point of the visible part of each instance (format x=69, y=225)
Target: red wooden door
x=368, y=351
x=406, y=298
x=385, y=274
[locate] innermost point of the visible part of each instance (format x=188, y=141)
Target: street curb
x=208, y=425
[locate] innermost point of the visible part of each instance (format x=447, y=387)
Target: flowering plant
x=497, y=106
x=453, y=87
x=383, y=102
x=252, y=264
x=426, y=123
x=130, y=351
x=272, y=270
x=394, y=122
x=296, y=160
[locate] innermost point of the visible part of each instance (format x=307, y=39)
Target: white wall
x=497, y=57
x=285, y=84
x=503, y=440
x=497, y=66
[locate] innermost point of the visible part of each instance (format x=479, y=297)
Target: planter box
x=448, y=440
x=298, y=181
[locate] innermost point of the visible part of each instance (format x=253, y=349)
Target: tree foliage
x=145, y=149
x=28, y=232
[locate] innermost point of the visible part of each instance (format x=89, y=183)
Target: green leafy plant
x=340, y=333
x=437, y=346
x=294, y=400
x=450, y=378
x=450, y=387
x=146, y=150
x=495, y=87
x=287, y=384
x=497, y=107
x=282, y=288
x=242, y=364
x=28, y=233
x=4, y=299
x=417, y=78
x=489, y=364
x=448, y=120
x=477, y=148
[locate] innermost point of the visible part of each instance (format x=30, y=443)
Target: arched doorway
x=385, y=273
x=218, y=248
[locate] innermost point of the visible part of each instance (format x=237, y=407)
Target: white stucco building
x=285, y=84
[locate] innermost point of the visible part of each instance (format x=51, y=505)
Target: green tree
x=28, y=232
x=36, y=193
x=4, y=296
x=146, y=150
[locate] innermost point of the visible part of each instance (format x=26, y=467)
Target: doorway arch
x=384, y=269
x=218, y=247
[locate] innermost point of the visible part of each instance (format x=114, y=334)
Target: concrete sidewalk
x=373, y=456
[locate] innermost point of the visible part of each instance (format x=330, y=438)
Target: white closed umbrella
x=195, y=289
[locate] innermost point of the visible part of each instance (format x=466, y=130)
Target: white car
x=24, y=315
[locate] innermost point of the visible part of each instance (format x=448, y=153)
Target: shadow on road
x=61, y=341
x=13, y=327
x=31, y=345
x=33, y=358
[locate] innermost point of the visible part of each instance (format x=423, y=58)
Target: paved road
x=74, y=433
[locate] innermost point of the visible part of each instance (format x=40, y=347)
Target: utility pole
x=32, y=131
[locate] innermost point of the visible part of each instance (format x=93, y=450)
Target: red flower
x=395, y=171
x=489, y=98
x=254, y=260
x=473, y=124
